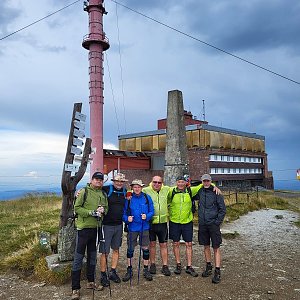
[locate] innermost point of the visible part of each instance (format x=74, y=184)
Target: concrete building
x=235, y=159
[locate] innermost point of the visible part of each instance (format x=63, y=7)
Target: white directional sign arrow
x=79, y=133
x=80, y=117
x=71, y=168
x=76, y=150
x=79, y=125
x=77, y=142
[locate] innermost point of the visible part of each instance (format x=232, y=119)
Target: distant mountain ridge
x=18, y=193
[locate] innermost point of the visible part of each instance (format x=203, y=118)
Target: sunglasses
x=157, y=182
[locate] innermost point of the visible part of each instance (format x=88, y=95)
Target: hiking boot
x=94, y=286
x=147, y=274
x=113, y=276
x=207, y=272
x=128, y=274
x=152, y=269
x=104, y=280
x=75, y=295
x=217, y=277
x=178, y=269
x=165, y=270
x=191, y=271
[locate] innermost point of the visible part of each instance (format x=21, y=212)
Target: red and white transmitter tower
x=96, y=42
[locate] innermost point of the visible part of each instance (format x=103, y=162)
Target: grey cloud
x=239, y=25
x=7, y=16
x=152, y=4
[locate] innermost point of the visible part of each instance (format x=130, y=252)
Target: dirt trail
x=262, y=263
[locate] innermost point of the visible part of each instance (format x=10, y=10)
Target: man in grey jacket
x=211, y=213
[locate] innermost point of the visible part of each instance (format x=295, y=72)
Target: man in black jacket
x=112, y=228
x=211, y=213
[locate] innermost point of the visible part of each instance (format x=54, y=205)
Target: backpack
x=75, y=215
x=190, y=193
x=111, y=190
x=128, y=211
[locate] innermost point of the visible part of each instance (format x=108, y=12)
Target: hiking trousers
x=86, y=239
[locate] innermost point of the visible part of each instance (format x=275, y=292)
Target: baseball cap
x=206, y=177
x=181, y=177
x=98, y=175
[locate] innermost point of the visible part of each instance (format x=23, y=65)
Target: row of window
x=232, y=158
x=235, y=171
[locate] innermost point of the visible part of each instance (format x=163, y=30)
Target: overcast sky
x=44, y=70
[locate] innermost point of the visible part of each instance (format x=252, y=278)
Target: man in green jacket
x=159, y=227
x=181, y=222
x=90, y=206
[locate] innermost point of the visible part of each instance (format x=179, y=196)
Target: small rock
x=271, y=292
x=282, y=278
x=209, y=297
x=254, y=296
x=279, y=217
x=279, y=270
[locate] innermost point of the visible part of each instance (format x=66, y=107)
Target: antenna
x=203, y=108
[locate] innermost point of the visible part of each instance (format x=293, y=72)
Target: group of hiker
x=156, y=212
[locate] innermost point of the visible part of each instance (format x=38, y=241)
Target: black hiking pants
x=86, y=239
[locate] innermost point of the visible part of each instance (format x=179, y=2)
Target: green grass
x=230, y=236
x=252, y=202
x=21, y=222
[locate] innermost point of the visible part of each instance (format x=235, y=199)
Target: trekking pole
x=106, y=261
x=130, y=259
x=97, y=243
x=141, y=244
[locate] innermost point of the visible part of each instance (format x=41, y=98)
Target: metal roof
x=194, y=127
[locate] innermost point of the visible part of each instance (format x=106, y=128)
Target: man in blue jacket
x=211, y=213
x=138, y=212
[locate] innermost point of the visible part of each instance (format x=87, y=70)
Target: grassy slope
x=22, y=220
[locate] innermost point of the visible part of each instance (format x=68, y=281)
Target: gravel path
x=261, y=263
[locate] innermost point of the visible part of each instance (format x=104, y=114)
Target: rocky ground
x=261, y=263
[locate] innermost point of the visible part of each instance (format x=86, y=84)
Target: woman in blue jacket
x=137, y=215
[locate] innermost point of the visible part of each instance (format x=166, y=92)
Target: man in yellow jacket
x=181, y=221
x=159, y=227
